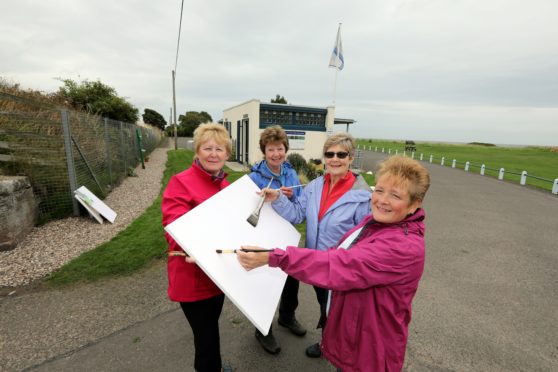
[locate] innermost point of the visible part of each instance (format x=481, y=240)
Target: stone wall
x=18, y=210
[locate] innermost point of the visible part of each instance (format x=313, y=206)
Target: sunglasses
x=340, y=154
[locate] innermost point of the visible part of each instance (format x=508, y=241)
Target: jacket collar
x=219, y=177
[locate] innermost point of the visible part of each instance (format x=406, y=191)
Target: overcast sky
x=440, y=70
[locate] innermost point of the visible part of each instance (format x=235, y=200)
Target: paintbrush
x=255, y=216
x=292, y=187
x=242, y=250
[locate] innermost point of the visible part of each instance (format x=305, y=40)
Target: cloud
x=413, y=68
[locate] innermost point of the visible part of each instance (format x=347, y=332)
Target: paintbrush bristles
x=253, y=219
x=255, y=216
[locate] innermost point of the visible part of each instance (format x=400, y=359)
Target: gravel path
x=49, y=247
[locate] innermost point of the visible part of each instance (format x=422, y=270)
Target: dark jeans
x=203, y=317
x=321, y=295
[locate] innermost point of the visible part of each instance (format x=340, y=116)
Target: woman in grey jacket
x=331, y=205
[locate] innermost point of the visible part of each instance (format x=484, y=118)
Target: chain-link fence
x=61, y=150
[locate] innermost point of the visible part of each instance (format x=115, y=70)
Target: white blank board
x=95, y=203
x=220, y=223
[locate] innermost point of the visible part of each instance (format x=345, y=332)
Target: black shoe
x=295, y=327
x=313, y=351
x=268, y=342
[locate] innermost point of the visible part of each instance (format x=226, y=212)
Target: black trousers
x=203, y=317
x=321, y=295
x=289, y=299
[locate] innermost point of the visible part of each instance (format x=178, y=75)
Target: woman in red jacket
x=200, y=299
x=373, y=273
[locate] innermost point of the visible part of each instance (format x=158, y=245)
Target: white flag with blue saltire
x=336, y=60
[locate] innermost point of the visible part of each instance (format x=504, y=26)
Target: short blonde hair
x=345, y=140
x=408, y=173
x=212, y=131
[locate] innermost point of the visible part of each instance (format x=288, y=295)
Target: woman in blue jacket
x=274, y=144
x=331, y=205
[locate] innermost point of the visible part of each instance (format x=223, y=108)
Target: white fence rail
x=524, y=175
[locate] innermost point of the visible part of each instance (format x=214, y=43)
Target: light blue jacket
x=342, y=216
x=261, y=175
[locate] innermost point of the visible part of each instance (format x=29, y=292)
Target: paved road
x=487, y=301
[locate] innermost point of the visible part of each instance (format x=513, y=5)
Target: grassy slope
x=537, y=161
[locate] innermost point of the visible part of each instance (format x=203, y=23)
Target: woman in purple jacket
x=373, y=273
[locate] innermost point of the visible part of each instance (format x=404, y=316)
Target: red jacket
x=373, y=284
x=185, y=191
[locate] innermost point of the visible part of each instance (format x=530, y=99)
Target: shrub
x=298, y=162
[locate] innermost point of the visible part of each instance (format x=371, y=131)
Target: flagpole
x=335, y=86
x=336, y=69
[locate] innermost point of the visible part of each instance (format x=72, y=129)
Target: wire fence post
x=523, y=180
x=501, y=174
x=69, y=159
x=107, y=147
x=122, y=148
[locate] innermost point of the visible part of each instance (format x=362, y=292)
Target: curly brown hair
x=273, y=134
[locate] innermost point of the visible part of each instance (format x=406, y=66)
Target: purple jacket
x=373, y=284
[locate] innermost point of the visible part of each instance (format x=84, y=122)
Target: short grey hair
x=345, y=140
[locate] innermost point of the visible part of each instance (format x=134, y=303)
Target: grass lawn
x=133, y=248
x=537, y=161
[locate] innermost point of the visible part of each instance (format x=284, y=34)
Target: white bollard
x=412, y=155
x=523, y=180
x=389, y=151
x=555, y=187
x=442, y=162
x=501, y=174
x=421, y=156
x=453, y=163
x=358, y=147
x=431, y=158
x=482, y=170
x=467, y=167
x=382, y=149
x=395, y=151
x=376, y=148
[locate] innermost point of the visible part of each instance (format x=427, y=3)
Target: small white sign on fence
x=94, y=205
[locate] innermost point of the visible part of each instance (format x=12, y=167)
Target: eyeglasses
x=340, y=154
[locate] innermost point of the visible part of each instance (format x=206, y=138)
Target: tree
x=279, y=99
x=188, y=123
x=154, y=118
x=99, y=99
